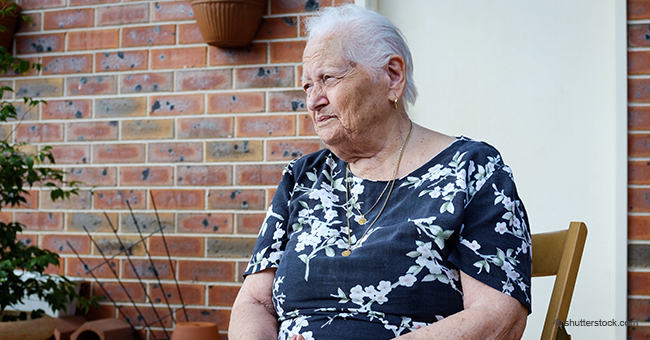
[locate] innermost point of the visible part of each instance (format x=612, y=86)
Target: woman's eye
x=306, y=87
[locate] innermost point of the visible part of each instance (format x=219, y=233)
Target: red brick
x=28, y=240
x=175, y=152
x=191, y=294
x=638, y=118
x=40, y=4
x=116, y=199
x=146, y=82
x=93, y=222
x=172, y=11
x=109, y=245
x=231, y=247
x=91, y=2
x=146, y=271
x=99, y=267
x=118, y=153
x=124, y=14
x=66, y=19
x=38, y=220
x=298, y=6
x=264, y=126
x=219, y=316
x=66, y=109
x=102, y=176
x=278, y=28
x=342, y=2
x=189, y=34
x=306, y=126
x=638, y=332
x=638, y=90
x=90, y=131
x=93, y=40
x=223, y=296
x=287, y=101
x=205, y=223
x=71, y=154
x=251, y=54
x=31, y=202
x=147, y=222
x=34, y=26
x=236, y=102
x=638, y=309
x=40, y=43
x=638, y=283
x=146, y=176
x=638, y=227
x=203, y=80
x=638, y=62
x=287, y=51
x=264, y=77
x=178, y=58
x=148, y=129
x=265, y=174
x=80, y=201
x=7, y=217
x=638, y=199
x=58, y=243
x=179, y=199
x=288, y=149
x=120, y=292
x=149, y=35
x=93, y=85
x=143, y=316
x=205, y=127
x=638, y=35
x=235, y=151
x=249, y=223
x=638, y=9
x=121, y=61
x=211, y=271
x=204, y=175
x=174, y=105
x=39, y=88
x=39, y=132
x=236, y=199
x=121, y=107
x=638, y=145
x=13, y=73
x=638, y=172
x=178, y=246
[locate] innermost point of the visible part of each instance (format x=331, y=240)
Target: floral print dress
x=458, y=212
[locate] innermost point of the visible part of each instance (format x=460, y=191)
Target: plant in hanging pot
x=9, y=12
x=23, y=267
x=228, y=23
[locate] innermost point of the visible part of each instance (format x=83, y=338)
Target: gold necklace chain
x=363, y=219
x=348, y=251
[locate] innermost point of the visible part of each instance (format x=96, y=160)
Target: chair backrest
x=558, y=253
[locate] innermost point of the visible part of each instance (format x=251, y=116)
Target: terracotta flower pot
x=9, y=22
x=195, y=331
x=228, y=23
x=37, y=329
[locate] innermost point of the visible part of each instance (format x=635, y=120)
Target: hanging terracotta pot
x=9, y=22
x=36, y=329
x=195, y=331
x=228, y=23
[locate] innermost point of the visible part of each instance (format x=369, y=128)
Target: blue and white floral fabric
x=459, y=211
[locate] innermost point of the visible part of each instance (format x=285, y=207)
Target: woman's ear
x=396, y=69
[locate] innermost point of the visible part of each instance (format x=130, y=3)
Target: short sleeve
x=274, y=234
x=494, y=244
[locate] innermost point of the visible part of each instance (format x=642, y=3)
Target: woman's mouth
x=323, y=118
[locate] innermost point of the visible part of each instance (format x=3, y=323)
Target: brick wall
x=138, y=105
x=639, y=167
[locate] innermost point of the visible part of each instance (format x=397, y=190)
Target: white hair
x=368, y=39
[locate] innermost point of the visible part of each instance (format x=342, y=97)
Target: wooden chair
x=559, y=253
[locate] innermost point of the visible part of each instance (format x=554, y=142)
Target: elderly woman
x=393, y=230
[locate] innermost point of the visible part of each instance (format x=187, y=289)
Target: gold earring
x=395, y=103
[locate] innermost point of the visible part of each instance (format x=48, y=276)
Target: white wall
x=544, y=82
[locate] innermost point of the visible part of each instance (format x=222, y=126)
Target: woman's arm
x=488, y=314
x=253, y=315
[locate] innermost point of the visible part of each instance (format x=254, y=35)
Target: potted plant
x=228, y=23
x=9, y=11
x=23, y=267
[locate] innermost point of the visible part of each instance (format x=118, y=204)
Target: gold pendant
x=346, y=253
x=362, y=220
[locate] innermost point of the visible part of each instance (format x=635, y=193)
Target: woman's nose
x=316, y=99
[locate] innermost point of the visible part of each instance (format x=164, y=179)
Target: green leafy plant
x=22, y=267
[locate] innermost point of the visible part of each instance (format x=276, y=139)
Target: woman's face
x=346, y=102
